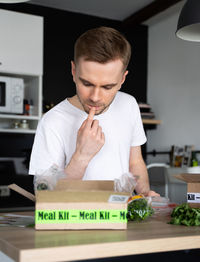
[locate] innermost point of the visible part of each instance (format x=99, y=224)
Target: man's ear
x=124, y=76
x=73, y=69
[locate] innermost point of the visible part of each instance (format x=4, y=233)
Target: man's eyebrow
x=86, y=81
x=110, y=85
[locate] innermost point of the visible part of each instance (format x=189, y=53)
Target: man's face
x=97, y=84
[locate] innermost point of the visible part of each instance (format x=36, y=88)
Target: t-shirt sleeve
x=138, y=136
x=47, y=150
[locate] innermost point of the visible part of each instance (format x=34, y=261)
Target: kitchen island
x=152, y=235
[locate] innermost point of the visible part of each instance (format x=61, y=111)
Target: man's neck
x=75, y=102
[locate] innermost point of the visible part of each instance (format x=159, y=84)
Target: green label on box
x=80, y=216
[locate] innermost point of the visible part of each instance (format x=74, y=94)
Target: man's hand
x=90, y=138
x=152, y=193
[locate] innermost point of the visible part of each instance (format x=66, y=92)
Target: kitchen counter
x=153, y=235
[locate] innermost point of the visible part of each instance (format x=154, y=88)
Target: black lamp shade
x=188, y=27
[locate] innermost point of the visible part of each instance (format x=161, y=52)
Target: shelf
x=19, y=131
x=151, y=121
x=7, y=116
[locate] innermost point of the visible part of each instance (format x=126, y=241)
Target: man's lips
x=92, y=106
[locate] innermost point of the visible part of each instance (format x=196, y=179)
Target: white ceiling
x=112, y=9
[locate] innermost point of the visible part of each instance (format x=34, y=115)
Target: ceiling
x=113, y=9
x=129, y=11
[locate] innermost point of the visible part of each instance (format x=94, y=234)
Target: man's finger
x=89, y=120
x=91, y=113
x=83, y=124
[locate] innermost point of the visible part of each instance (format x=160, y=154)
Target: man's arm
x=90, y=140
x=138, y=168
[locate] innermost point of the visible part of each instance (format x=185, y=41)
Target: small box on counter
x=193, y=188
x=77, y=205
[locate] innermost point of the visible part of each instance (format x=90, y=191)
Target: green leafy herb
x=185, y=215
x=139, y=209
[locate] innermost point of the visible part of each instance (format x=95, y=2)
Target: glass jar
x=24, y=124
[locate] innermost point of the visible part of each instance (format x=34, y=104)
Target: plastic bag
x=158, y=201
x=125, y=183
x=161, y=205
x=139, y=208
x=48, y=179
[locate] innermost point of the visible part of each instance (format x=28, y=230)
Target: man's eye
x=107, y=87
x=87, y=84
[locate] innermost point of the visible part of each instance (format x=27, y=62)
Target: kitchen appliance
x=11, y=95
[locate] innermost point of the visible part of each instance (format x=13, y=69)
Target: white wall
x=173, y=85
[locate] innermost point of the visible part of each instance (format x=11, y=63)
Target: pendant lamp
x=188, y=27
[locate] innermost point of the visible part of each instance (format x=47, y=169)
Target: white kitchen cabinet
x=21, y=55
x=21, y=44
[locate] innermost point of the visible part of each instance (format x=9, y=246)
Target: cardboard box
x=193, y=188
x=81, y=205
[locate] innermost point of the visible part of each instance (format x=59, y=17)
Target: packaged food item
x=161, y=206
x=139, y=208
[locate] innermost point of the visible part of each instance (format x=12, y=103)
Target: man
x=96, y=134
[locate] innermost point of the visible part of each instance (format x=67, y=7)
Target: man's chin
x=98, y=112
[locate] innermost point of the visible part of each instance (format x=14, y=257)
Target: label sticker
x=193, y=197
x=118, y=199
x=80, y=216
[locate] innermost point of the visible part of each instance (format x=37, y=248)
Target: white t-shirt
x=55, y=139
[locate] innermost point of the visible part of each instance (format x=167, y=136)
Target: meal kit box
x=81, y=205
x=193, y=188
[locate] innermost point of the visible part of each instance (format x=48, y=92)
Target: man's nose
x=95, y=94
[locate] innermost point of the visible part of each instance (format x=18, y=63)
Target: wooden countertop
x=153, y=235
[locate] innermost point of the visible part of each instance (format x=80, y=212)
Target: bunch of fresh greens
x=185, y=215
x=139, y=209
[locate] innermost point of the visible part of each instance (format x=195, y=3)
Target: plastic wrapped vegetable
x=139, y=209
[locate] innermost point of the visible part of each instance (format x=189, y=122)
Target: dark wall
x=136, y=81
x=61, y=29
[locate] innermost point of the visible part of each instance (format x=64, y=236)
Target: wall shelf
x=32, y=91
x=19, y=131
x=151, y=121
x=8, y=116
